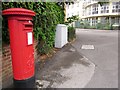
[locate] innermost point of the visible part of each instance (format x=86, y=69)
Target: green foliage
x=102, y=3
x=48, y=15
x=71, y=33
x=106, y=26
x=62, y=4
x=71, y=29
x=99, y=26
x=84, y=24
x=72, y=19
x=91, y=27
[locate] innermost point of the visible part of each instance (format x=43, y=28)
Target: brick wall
x=7, y=76
x=0, y=68
x=6, y=66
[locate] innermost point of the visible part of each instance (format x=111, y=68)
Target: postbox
x=21, y=44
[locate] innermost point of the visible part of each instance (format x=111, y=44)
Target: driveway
x=101, y=47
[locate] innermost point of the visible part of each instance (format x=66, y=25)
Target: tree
x=102, y=3
x=63, y=5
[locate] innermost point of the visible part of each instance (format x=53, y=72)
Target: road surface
x=102, y=50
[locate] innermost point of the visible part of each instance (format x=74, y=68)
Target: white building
x=92, y=12
x=74, y=9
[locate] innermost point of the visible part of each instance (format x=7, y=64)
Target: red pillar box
x=21, y=43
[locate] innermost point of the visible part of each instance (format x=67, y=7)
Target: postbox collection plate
x=29, y=38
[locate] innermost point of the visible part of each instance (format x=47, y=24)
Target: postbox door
x=27, y=50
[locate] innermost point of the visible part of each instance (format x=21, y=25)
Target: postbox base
x=28, y=83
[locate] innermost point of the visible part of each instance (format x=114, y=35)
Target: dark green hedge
x=71, y=33
x=48, y=15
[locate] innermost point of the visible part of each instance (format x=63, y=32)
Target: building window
x=89, y=20
x=88, y=11
x=104, y=20
x=83, y=13
x=116, y=7
x=117, y=20
x=94, y=21
x=113, y=20
x=95, y=9
x=105, y=8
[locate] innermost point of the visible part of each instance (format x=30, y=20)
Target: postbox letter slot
x=28, y=25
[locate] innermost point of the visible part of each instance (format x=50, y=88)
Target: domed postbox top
x=18, y=11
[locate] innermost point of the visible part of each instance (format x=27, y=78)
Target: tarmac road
x=104, y=56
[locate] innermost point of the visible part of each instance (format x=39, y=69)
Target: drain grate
x=87, y=47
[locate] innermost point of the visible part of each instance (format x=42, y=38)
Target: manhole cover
x=87, y=47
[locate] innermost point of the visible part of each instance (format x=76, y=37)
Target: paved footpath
x=66, y=69
x=104, y=56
